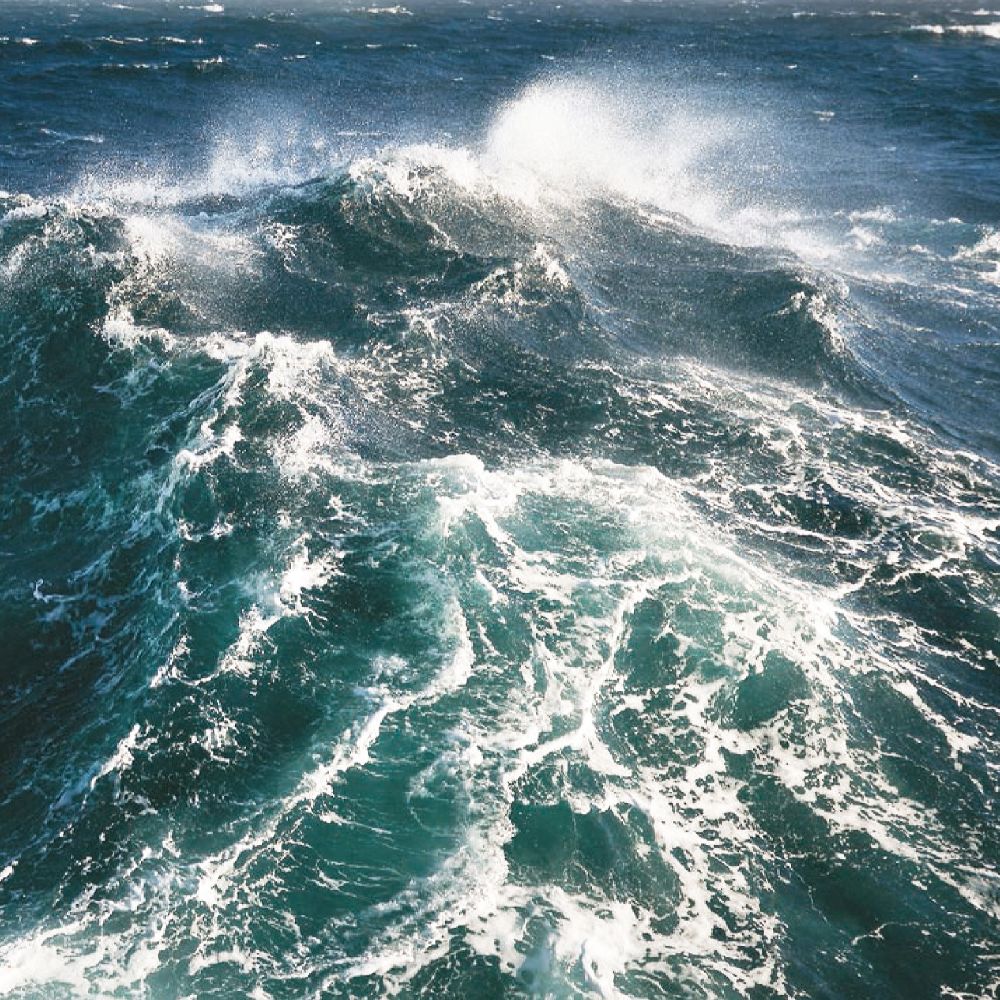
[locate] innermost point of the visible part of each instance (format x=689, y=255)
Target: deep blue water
x=499, y=501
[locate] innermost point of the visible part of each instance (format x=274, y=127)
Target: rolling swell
x=454, y=575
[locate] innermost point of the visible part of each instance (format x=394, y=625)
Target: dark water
x=499, y=501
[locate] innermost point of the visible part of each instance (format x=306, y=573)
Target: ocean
x=499, y=500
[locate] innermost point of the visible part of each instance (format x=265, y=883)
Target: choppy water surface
x=499, y=501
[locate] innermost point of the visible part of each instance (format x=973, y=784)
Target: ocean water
x=499, y=500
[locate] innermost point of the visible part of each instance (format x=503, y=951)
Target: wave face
x=507, y=507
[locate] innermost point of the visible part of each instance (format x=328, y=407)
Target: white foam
x=599, y=937
x=277, y=599
x=575, y=599
x=26, y=208
x=120, y=328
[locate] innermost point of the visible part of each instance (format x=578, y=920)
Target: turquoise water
x=499, y=502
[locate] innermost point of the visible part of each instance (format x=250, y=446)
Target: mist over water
x=499, y=501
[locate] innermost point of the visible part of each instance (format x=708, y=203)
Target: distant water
x=499, y=501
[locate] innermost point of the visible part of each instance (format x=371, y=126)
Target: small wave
x=982, y=30
x=397, y=10
x=984, y=256
x=70, y=137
